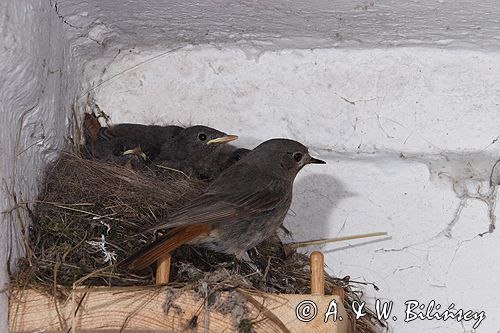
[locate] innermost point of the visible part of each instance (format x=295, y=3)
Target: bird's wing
x=195, y=220
x=225, y=207
x=165, y=244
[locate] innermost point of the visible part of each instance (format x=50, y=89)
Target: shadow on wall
x=314, y=199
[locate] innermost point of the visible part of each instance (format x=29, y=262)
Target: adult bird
x=240, y=209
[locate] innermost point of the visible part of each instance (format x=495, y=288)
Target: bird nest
x=90, y=215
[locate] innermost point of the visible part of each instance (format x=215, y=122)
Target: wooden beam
x=101, y=309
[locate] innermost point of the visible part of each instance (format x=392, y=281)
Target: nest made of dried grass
x=90, y=215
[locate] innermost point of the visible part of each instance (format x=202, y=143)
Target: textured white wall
x=281, y=24
x=404, y=114
x=35, y=94
x=410, y=136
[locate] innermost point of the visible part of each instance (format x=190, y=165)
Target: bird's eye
x=297, y=157
x=202, y=136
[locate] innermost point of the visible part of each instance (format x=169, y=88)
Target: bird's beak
x=136, y=151
x=315, y=160
x=223, y=139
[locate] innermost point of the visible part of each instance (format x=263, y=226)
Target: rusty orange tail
x=91, y=127
x=173, y=239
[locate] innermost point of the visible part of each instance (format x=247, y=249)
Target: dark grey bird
x=195, y=151
x=123, y=139
x=240, y=209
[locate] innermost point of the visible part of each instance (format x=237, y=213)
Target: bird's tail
x=91, y=127
x=173, y=239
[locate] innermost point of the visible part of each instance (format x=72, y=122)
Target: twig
x=268, y=313
x=296, y=245
x=147, y=300
x=77, y=131
x=267, y=268
x=172, y=169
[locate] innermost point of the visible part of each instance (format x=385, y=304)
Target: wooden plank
x=112, y=309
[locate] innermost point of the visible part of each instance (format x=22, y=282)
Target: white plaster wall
x=399, y=96
x=410, y=136
x=281, y=24
x=36, y=83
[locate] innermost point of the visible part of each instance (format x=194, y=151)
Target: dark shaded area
x=316, y=196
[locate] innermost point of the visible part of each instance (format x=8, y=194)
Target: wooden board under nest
x=139, y=310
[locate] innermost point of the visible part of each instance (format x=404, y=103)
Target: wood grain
x=132, y=309
x=163, y=269
x=317, y=273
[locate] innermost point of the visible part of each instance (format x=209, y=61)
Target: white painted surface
x=405, y=115
x=409, y=135
x=288, y=24
x=35, y=93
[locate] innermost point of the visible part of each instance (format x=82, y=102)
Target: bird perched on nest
x=126, y=139
x=197, y=151
x=240, y=209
